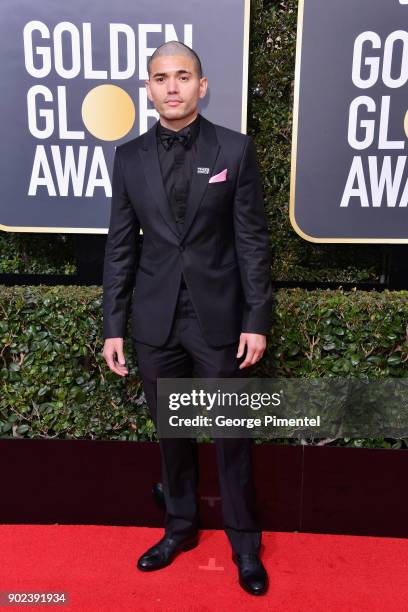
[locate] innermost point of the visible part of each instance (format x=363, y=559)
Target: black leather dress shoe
x=163, y=553
x=252, y=574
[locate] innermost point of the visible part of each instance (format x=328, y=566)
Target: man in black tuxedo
x=199, y=291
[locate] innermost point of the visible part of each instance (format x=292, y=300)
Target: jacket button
x=181, y=247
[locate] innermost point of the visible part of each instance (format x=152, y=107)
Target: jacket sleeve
x=252, y=244
x=120, y=259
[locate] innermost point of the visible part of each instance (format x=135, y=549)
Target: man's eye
x=185, y=78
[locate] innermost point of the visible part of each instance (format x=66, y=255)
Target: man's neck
x=178, y=124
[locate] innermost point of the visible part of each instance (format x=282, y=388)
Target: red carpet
x=96, y=566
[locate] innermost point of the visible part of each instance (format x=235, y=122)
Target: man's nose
x=172, y=85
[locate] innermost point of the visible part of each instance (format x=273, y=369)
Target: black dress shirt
x=177, y=164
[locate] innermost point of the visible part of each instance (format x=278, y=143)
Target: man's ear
x=149, y=95
x=203, y=86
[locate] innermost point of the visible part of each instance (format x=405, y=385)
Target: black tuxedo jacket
x=223, y=250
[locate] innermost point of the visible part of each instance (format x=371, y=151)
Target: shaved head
x=174, y=47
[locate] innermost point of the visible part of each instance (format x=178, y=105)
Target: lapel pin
x=203, y=170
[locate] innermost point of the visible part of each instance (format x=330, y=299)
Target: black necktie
x=169, y=138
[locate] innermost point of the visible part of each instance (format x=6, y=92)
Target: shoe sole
x=185, y=547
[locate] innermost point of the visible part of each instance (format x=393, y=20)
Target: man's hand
x=256, y=344
x=113, y=348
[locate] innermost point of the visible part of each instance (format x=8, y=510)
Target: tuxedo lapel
x=152, y=170
x=207, y=153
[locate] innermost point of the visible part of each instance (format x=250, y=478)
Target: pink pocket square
x=218, y=178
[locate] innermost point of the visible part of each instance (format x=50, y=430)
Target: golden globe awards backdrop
x=349, y=177
x=72, y=78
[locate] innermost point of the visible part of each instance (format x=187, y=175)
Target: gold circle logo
x=108, y=112
x=406, y=124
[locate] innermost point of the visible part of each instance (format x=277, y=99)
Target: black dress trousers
x=184, y=353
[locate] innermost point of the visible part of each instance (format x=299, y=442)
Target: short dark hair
x=174, y=47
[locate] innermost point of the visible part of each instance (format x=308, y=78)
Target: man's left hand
x=255, y=343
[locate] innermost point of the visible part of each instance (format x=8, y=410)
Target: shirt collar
x=194, y=127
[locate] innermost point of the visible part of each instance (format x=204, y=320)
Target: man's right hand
x=114, y=356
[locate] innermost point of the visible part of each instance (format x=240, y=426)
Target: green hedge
x=55, y=383
x=270, y=101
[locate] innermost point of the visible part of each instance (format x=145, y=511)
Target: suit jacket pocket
x=145, y=270
x=231, y=264
x=218, y=185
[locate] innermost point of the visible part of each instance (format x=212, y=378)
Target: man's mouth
x=173, y=102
